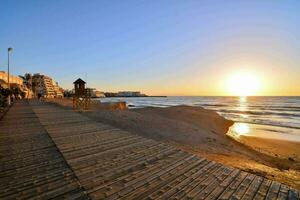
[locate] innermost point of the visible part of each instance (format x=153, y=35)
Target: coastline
x=203, y=132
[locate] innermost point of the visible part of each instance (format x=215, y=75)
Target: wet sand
x=203, y=132
x=277, y=148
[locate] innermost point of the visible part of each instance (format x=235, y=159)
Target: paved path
x=114, y=164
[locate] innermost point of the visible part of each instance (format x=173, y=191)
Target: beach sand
x=276, y=148
x=203, y=132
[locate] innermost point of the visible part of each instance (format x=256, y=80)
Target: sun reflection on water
x=238, y=129
x=241, y=128
x=244, y=116
x=243, y=99
x=242, y=103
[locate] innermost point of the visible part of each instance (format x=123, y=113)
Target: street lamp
x=8, y=52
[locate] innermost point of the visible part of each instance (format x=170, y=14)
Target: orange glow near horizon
x=253, y=79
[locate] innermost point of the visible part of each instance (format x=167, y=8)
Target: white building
x=130, y=94
x=96, y=93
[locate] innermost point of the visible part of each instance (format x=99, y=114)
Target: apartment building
x=46, y=87
x=58, y=90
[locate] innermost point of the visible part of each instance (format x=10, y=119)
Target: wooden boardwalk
x=31, y=166
x=114, y=164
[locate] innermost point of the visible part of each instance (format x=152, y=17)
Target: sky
x=170, y=47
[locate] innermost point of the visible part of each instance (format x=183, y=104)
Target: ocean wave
x=258, y=112
x=269, y=122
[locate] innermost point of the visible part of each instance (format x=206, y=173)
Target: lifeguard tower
x=82, y=97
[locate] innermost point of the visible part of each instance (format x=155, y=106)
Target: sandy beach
x=203, y=132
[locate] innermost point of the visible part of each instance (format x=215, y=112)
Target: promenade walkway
x=114, y=164
x=31, y=166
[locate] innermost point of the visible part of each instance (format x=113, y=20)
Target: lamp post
x=8, y=52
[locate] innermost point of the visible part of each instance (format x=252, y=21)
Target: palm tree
x=28, y=80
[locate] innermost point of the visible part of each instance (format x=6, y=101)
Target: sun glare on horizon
x=242, y=83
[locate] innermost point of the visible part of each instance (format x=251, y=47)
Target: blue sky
x=158, y=47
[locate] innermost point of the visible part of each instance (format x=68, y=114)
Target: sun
x=242, y=83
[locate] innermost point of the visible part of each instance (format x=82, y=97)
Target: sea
x=268, y=117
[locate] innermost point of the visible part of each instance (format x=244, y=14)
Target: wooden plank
x=214, y=183
x=250, y=193
x=135, y=175
x=192, y=181
x=169, y=179
x=283, y=192
x=127, y=167
x=233, y=186
x=243, y=187
x=113, y=185
x=263, y=189
x=223, y=185
x=141, y=181
x=273, y=191
x=202, y=185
